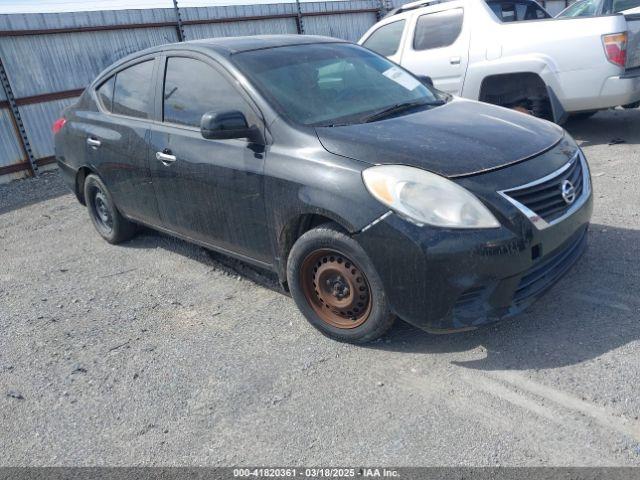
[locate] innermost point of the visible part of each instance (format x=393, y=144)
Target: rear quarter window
x=437, y=30
x=105, y=93
x=386, y=39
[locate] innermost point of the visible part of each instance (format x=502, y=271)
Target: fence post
x=299, y=22
x=382, y=11
x=179, y=27
x=16, y=119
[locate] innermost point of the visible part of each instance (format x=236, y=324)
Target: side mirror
x=425, y=80
x=226, y=125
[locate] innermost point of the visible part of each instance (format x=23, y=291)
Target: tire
x=336, y=287
x=631, y=105
x=541, y=108
x=527, y=96
x=106, y=218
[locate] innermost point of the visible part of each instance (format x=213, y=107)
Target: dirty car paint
x=251, y=200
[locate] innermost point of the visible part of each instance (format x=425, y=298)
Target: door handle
x=93, y=142
x=166, y=158
x=455, y=60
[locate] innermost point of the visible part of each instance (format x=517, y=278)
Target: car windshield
x=334, y=83
x=618, y=6
x=584, y=8
x=590, y=8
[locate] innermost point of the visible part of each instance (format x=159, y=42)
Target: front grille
x=550, y=270
x=544, y=200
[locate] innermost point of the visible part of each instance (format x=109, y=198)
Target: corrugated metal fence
x=47, y=59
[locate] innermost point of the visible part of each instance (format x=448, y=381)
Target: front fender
x=323, y=185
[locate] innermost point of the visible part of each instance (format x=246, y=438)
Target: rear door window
x=386, y=40
x=133, y=91
x=105, y=93
x=437, y=30
x=193, y=88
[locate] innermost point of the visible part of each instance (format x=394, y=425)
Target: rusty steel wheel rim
x=336, y=289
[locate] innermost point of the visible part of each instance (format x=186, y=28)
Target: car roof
x=231, y=45
x=223, y=46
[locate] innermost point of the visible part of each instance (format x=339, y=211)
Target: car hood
x=459, y=138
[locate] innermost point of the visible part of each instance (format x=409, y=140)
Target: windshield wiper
x=399, y=107
x=331, y=125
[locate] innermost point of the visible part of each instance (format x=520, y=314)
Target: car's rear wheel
x=336, y=287
x=106, y=218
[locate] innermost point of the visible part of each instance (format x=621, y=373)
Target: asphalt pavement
x=156, y=352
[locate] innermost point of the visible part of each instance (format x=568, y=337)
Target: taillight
x=58, y=124
x=615, y=46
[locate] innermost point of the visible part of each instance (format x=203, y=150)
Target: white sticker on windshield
x=402, y=78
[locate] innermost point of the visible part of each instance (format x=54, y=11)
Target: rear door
x=438, y=47
x=117, y=139
x=208, y=190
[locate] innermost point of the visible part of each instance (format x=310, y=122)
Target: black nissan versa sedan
x=371, y=194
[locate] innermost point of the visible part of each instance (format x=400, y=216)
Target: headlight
x=427, y=198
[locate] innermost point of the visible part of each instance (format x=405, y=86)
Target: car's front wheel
x=336, y=286
x=106, y=218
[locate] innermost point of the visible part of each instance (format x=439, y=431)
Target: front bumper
x=444, y=280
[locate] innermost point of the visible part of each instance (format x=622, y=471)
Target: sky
x=41, y=6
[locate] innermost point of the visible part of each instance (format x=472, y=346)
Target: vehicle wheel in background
x=524, y=92
x=109, y=223
x=336, y=287
x=631, y=105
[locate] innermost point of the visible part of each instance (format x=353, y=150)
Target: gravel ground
x=158, y=353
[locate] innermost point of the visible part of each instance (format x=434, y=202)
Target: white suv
x=512, y=53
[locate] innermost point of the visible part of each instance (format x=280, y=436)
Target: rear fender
x=540, y=65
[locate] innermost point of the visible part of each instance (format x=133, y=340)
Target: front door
x=211, y=191
x=438, y=47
